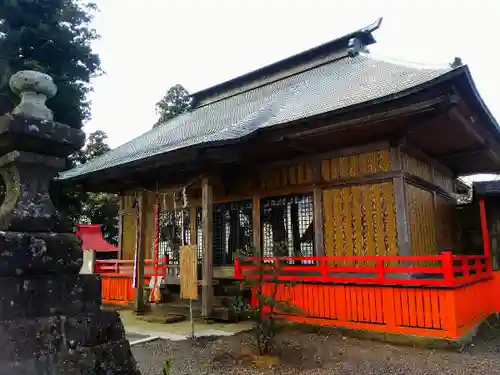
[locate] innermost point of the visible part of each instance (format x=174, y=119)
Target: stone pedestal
x=51, y=320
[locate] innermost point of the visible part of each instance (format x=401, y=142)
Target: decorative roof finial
x=34, y=88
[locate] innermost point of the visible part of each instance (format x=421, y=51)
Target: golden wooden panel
x=281, y=177
x=188, y=276
x=417, y=167
x=422, y=222
x=360, y=220
x=344, y=167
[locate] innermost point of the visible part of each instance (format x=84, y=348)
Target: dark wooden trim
x=426, y=185
x=207, y=260
x=139, y=306
x=396, y=159
x=421, y=107
x=319, y=243
x=402, y=219
x=369, y=179
x=256, y=224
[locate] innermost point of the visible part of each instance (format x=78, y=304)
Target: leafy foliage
x=92, y=208
x=175, y=102
x=265, y=314
x=54, y=37
x=167, y=366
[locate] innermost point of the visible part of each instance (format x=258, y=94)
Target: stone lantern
x=51, y=320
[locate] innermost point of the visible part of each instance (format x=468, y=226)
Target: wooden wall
x=431, y=209
x=364, y=164
x=421, y=215
x=360, y=220
x=356, y=195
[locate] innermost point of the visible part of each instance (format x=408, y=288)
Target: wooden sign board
x=188, y=274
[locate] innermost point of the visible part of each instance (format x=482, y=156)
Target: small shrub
x=167, y=365
x=266, y=313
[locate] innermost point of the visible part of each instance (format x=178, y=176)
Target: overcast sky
x=150, y=45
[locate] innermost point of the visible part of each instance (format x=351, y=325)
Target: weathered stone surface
x=21, y=338
x=50, y=316
x=67, y=295
x=39, y=253
x=45, y=137
x=112, y=358
x=34, y=88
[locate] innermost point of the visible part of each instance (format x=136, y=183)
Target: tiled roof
x=335, y=85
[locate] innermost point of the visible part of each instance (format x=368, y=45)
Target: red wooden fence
x=455, y=294
x=117, y=275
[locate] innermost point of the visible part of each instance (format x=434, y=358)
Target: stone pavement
x=138, y=330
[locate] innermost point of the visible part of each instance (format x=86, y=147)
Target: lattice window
x=287, y=226
x=232, y=231
x=170, y=232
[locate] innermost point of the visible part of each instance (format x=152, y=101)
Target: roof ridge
x=363, y=37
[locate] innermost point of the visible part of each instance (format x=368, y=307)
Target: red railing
x=445, y=270
x=120, y=268
x=117, y=278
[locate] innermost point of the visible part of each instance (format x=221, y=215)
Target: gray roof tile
x=335, y=85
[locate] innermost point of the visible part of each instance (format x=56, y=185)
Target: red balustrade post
x=447, y=264
x=237, y=269
x=380, y=269
x=485, y=234
x=324, y=269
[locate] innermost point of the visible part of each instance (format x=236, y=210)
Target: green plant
x=269, y=306
x=167, y=365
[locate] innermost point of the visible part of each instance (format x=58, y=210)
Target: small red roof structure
x=92, y=238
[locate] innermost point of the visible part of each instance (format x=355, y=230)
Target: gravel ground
x=318, y=354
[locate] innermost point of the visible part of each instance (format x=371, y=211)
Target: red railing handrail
x=470, y=268
x=119, y=267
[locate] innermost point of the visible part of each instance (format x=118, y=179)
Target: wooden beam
x=207, y=261
x=485, y=140
x=139, y=305
x=256, y=225
x=399, y=191
x=319, y=243
x=120, y=225
x=424, y=106
x=396, y=159
x=424, y=184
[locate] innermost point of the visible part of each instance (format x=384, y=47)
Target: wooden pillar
x=484, y=228
x=319, y=243
x=121, y=212
x=399, y=192
x=256, y=225
x=139, y=304
x=207, y=261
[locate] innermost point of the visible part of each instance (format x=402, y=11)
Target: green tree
x=52, y=36
x=175, y=102
x=100, y=208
